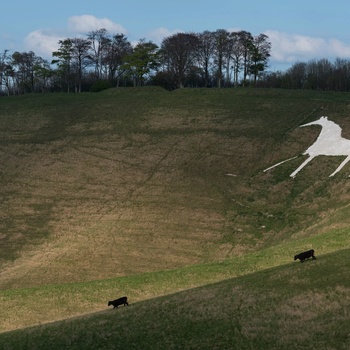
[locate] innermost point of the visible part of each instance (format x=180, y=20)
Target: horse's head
x=322, y=121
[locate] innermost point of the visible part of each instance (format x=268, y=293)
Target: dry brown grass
x=103, y=186
x=105, y=211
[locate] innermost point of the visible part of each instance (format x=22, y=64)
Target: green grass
x=73, y=299
x=147, y=193
x=282, y=307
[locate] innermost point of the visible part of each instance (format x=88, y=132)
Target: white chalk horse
x=329, y=143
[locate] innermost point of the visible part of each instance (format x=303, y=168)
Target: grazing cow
x=305, y=255
x=117, y=302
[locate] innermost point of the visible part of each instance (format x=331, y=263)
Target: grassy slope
x=52, y=302
x=128, y=182
x=283, y=307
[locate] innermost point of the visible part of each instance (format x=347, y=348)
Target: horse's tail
x=273, y=166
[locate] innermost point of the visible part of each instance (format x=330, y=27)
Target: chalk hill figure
x=329, y=143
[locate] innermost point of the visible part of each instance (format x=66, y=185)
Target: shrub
x=100, y=85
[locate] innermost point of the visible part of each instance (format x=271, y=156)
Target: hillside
x=162, y=196
x=129, y=181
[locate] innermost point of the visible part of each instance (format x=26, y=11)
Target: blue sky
x=299, y=30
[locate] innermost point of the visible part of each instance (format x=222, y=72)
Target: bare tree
x=81, y=58
x=5, y=68
x=179, y=53
x=205, y=54
x=245, y=41
x=119, y=49
x=297, y=75
x=228, y=60
x=325, y=73
x=341, y=76
x=237, y=55
x=100, y=44
x=220, y=48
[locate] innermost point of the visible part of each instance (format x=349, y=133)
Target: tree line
x=319, y=74
x=216, y=59
x=208, y=59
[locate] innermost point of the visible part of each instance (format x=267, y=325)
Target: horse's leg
x=273, y=166
x=341, y=165
x=302, y=166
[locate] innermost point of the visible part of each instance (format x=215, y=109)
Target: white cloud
x=43, y=42
x=340, y=49
x=159, y=34
x=289, y=48
x=88, y=23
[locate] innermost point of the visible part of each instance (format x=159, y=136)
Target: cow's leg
x=341, y=165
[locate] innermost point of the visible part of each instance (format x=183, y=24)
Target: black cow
x=117, y=302
x=305, y=255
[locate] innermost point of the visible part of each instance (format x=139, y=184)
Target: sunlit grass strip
x=55, y=302
x=284, y=307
